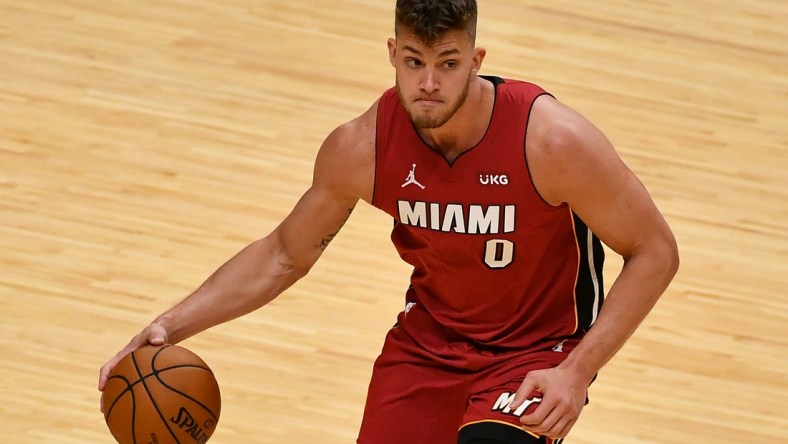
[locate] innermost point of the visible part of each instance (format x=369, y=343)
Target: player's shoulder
x=557, y=129
x=353, y=141
x=359, y=131
x=347, y=157
x=561, y=144
x=521, y=89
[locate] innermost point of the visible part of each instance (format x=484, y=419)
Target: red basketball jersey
x=492, y=261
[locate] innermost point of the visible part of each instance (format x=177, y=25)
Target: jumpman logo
x=412, y=178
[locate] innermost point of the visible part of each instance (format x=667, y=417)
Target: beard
x=434, y=119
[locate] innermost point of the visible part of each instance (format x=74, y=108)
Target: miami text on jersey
x=458, y=218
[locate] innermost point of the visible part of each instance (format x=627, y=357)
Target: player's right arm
x=343, y=174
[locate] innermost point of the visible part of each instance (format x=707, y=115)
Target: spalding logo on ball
x=161, y=395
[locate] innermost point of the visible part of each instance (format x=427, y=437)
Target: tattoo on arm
x=327, y=240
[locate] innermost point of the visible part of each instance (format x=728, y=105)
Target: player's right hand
x=154, y=334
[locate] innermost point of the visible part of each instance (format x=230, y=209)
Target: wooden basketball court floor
x=144, y=142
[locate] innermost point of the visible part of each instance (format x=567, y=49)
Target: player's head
x=429, y=20
x=435, y=57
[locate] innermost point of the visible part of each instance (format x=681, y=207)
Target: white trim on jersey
x=594, y=279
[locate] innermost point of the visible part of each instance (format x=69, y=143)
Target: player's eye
x=450, y=64
x=413, y=63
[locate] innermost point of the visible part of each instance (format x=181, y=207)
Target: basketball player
x=501, y=195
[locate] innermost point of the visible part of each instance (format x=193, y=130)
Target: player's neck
x=468, y=125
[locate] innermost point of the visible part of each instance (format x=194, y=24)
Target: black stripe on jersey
x=589, y=289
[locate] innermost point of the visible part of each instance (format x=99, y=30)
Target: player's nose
x=429, y=82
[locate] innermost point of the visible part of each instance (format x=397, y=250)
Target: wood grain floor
x=142, y=142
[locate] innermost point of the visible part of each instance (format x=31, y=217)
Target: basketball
x=161, y=395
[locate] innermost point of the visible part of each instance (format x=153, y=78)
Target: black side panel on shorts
x=495, y=433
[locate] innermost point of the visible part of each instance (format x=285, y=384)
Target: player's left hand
x=563, y=397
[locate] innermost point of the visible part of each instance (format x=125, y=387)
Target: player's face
x=433, y=80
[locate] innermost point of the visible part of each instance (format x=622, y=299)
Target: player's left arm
x=573, y=162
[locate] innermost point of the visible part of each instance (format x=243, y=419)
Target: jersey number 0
x=498, y=253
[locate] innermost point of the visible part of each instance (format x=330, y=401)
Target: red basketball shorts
x=429, y=386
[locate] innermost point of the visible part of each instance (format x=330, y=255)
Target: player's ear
x=392, y=44
x=478, y=58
